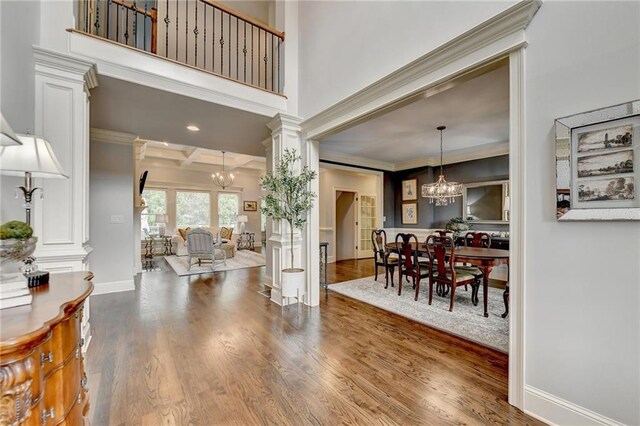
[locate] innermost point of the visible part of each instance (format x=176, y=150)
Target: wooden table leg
x=485, y=290
x=505, y=296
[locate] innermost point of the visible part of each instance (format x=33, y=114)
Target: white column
x=61, y=218
x=139, y=148
x=311, y=158
x=285, y=134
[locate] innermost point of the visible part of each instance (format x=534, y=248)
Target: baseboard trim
x=550, y=409
x=113, y=287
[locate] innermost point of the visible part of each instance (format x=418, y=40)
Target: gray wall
x=19, y=30
x=111, y=193
x=429, y=216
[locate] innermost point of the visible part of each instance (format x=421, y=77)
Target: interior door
x=366, y=224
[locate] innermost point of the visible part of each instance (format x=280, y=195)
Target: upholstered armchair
x=179, y=241
x=202, y=246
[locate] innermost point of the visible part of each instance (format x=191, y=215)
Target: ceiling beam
x=191, y=156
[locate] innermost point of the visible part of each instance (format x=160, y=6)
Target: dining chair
x=410, y=265
x=475, y=239
x=441, y=252
x=382, y=256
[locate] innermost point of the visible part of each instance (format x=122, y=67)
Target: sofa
x=179, y=240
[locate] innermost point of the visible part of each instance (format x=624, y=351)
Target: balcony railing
x=203, y=34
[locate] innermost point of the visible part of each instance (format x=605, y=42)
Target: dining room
x=439, y=253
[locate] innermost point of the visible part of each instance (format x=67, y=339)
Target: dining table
x=483, y=258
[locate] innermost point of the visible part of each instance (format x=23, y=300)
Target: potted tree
x=289, y=198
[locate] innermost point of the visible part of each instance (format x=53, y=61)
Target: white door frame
x=500, y=36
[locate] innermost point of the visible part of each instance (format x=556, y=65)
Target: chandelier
x=222, y=179
x=442, y=192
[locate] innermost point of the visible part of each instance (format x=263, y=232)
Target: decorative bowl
x=16, y=250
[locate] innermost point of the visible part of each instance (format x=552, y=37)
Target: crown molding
x=357, y=161
x=281, y=120
x=169, y=163
x=507, y=28
x=110, y=136
x=67, y=64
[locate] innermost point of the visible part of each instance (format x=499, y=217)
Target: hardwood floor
x=212, y=350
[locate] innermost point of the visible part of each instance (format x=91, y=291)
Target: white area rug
x=242, y=259
x=465, y=321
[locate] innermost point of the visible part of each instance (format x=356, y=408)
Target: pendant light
x=223, y=179
x=442, y=192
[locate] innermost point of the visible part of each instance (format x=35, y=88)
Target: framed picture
x=250, y=206
x=410, y=214
x=597, y=164
x=409, y=189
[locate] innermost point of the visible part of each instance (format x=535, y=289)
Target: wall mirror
x=486, y=202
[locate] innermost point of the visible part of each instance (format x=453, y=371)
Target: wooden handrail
x=152, y=13
x=240, y=15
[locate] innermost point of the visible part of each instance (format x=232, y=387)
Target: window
x=156, y=200
x=227, y=210
x=193, y=209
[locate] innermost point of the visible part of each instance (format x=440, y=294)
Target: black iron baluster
x=251, y=53
x=186, y=33
x=244, y=52
x=86, y=17
x=177, y=20
x=279, y=74
x=221, y=42
x=118, y=23
x=144, y=35
x=258, y=64
x=213, y=40
x=205, y=36
x=97, y=23
x=272, y=63
x=108, y=15
x=229, y=46
x=266, y=80
x=166, y=30
x=195, y=33
x=135, y=25
x=237, y=46
x=126, y=31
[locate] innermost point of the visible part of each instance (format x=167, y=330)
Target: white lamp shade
x=35, y=155
x=7, y=137
x=242, y=218
x=162, y=218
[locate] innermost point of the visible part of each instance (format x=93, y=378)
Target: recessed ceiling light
x=193, y=128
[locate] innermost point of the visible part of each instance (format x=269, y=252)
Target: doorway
x=346, y=224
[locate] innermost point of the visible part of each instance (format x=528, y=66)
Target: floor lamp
x=33, y=159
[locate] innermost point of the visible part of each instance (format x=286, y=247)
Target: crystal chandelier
x=222, y=179
x=442, y=192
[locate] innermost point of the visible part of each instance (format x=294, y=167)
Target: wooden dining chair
x=441, y=252
x=410, y=265
x=475, y=239
x=382, y=256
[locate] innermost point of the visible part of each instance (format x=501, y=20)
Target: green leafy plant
x=15, y=229
x=457, y=225
x=289, y=197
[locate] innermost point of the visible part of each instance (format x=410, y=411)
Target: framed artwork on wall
x=409, y=189
x=597, y=164
x=410, y=214
x=250, y=206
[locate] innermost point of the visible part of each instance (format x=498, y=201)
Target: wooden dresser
x=42, y=374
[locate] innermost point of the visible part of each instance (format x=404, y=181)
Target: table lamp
x=33, y=159
x=242, y=219
x=7, y=137
x=161, y=221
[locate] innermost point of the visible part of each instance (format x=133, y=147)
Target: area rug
x=466, y=321
x=242, y=259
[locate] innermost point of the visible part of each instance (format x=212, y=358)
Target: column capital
x=60, y=65
x=285, y=121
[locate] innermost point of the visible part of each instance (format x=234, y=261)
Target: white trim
x=557, y=411
x=355, y=160
x=112, y=287
x=492, y=39
x=110, y=136
x=67, y=64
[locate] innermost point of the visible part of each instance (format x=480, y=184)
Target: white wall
x=345, y=46
x=330, y=178
x=19, y=30
x=111, y=193
x=583, y=279
x=246, y=184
